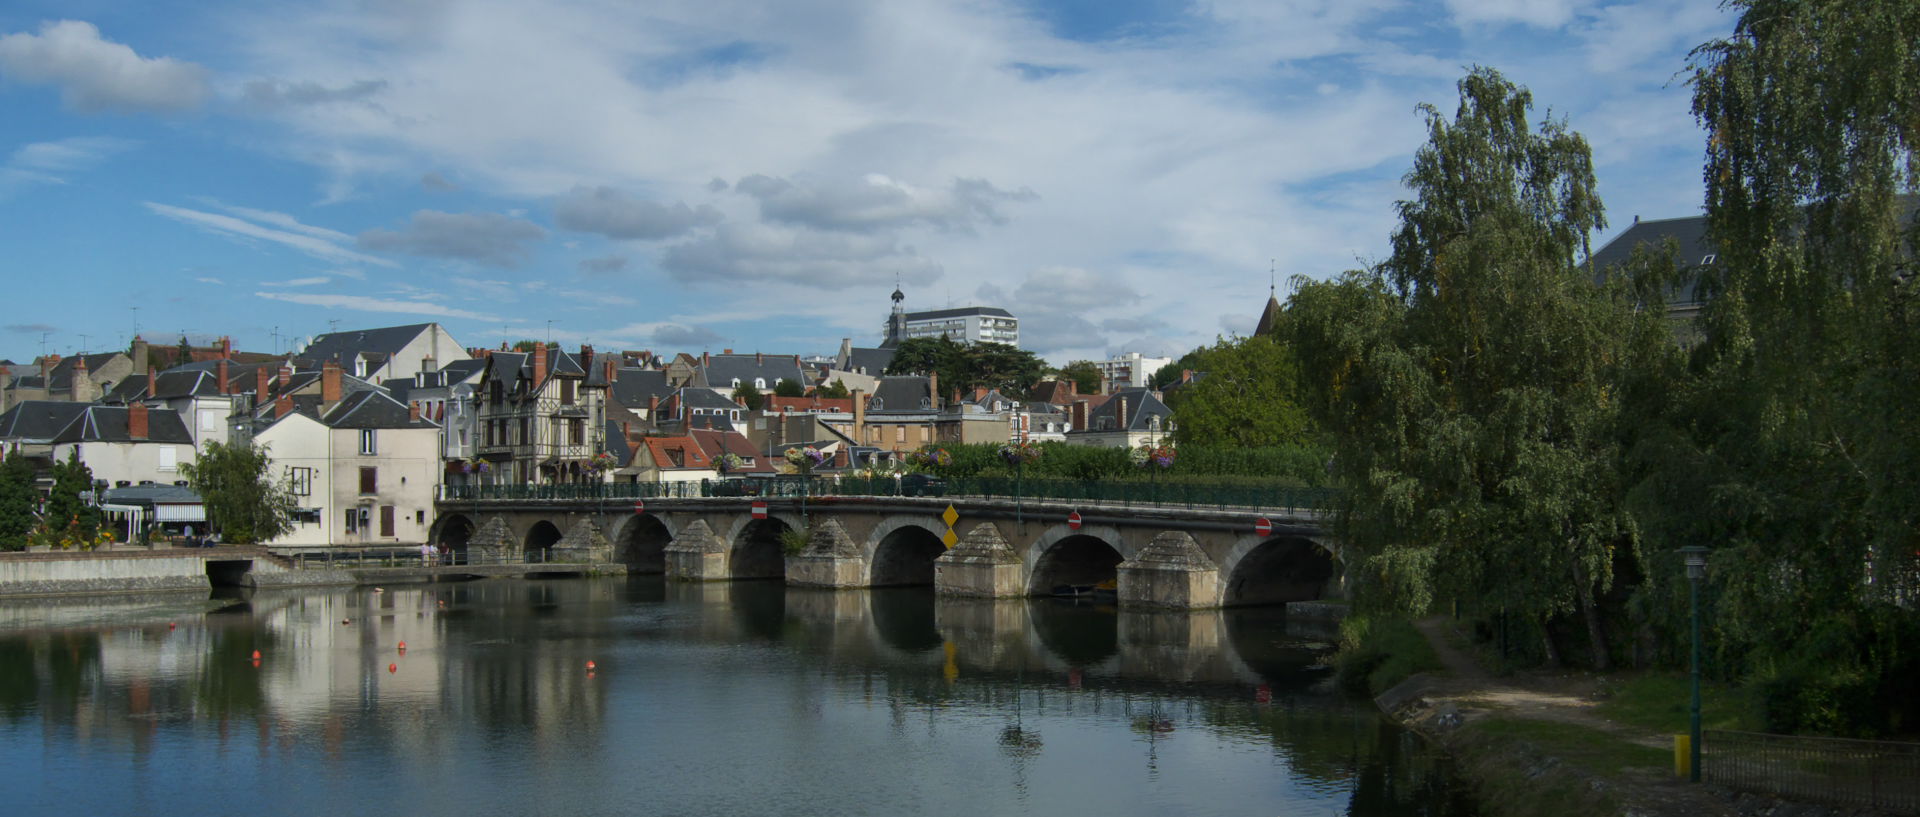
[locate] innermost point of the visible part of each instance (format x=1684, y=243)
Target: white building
x=968, y=324
x=1129, y=371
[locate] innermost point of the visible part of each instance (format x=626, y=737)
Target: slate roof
x=38, y=420
x=62, y=375
x=721, y=370
x=373, y=409
x=1689, y=232
x=632, y=387
x=150, y=495
x=901, y=393
x=816, y=405
x=1269, y=317
x=698, y=398
x=869, y=361
x=343, y=346
x=937, y=314
x=108, y=424
x=1141, y=404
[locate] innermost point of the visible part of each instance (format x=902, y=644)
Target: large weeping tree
x=1474, y=381
x=243, y=500
x=1803, y=421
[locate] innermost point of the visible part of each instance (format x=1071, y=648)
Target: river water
x=714, y=699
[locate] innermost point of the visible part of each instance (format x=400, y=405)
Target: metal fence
x=411, y=557
x=1289, y=498
x=1853, y=773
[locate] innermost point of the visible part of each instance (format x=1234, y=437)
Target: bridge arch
x=1279, y=569
x=451, y=533
x=901, y=551
x=1064, y=556
x=540, y=539
x=755, y=550
x=641, y=543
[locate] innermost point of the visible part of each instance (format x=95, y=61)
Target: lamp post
x=1696, y=561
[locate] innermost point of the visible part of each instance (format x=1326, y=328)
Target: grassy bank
x=1377, y=652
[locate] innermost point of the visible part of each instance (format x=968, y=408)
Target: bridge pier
x=982, y=564
x=698, y=555
x=1170, y=572
x=830, y=560
x=583, y=543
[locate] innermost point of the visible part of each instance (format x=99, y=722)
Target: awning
x=180, y=513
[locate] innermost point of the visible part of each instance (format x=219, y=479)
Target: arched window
x=736, y=382
x=760, y=383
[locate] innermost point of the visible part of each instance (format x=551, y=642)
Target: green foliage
x=1378, y=652
x=1250, y=396
x=1084, y=374
x=184, y=351
x=1474, y=381
x=244, y=503
x=794, y=541
x=1659, y=701
x=1303, y=464
x=964, y=366
x=66, y=511
x=16, y=501
x=787, y=388
x=749, y=397
x=525, y=345
x=835, y=390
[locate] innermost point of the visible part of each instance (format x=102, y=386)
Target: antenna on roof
x=1273, y=277
x=83, y=343
x=333, y=325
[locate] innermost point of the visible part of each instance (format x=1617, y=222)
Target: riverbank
x=1539, y=744
x=141, y=570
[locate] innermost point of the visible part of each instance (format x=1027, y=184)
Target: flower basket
x=1019, y=453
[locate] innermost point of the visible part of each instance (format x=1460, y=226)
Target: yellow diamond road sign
x=949, y=538
x=951, y=516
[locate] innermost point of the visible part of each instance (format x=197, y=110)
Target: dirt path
x=1469, y=692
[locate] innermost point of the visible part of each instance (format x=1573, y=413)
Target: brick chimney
x=760, y=358
x=48, y=363
x=329, y=385
x=859, y=415
x=136, y=420
x=539, y=364
x=1120, y=413
x=413, y=411
x=586, y=358
x=139, y=355
x=653, y=408
x=626, y=430
x=612, y=368
x=226, y=348
x=1077, y=416
x=220, y=375
x=151, y=387
x=286, y=372
x=80, y=386
x=282, y=406
x=262, y=384
x=933, y=389
x=726, y=351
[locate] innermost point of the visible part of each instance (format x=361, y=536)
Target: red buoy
x=590, y=665
x=403, y=646
x=256, y=655
x=393, y=667
x=171, y=625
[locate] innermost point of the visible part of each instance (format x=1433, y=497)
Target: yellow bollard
x=1682, y=755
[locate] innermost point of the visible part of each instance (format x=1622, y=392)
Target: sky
x=1122, y=175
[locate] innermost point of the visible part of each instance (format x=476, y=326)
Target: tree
x=835, y=390
x=1250, y=397
x=749, y=397
x=785, y=387
x=185, y=352
x=1795, y=443
x=964, y=366
x=525, y=345
x=16, y=501
x=1084, y=374
x=67, y=509
x=1473, y=380
x=243, y=501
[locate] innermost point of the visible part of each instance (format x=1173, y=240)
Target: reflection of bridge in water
x=1149, y=556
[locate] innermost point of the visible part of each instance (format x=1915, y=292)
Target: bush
x=1303, y=465
x=1377, y=653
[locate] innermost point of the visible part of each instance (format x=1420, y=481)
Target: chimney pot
x=726, y=351
x=220, y=372
x=539, y=364
x=262, y=383
x=329, y=384
x=137, y=420
x=613, y=370
x=226, y=348
x=653, y=408
x=282, y=406
x=151, y=377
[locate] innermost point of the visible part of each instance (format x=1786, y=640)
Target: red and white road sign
x=1262, y=526
x=759, y=510
x=1073, y=520
x=639, y=507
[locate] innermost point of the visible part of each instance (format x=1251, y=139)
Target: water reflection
x=718, y=698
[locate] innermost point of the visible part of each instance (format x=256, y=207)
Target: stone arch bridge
x=1155, y=556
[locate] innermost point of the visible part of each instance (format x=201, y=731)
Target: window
x=759, y=382
x=386, y=521
x=566, y=391
x=353, y=519
x=306, y=516
x=369, y=480
x=577, y=431
x=367, y=441
x=463, y=438
x=169, y=458
x=900, y=434
x=526, y=431
x=360, y=367
x=419, y=517
x=300, y=481
x=736, y=382
x=209, y=421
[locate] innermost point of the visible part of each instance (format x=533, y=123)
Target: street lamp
x=1696, y=561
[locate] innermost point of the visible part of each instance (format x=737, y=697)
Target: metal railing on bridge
x=1289, y=498
x=1852, y=773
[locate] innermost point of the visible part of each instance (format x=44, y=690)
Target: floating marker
x=171, y=625
x=256, y=655
x=403, y=646
x=590, y=666
x=391, y=668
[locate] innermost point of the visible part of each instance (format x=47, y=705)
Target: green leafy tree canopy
x=243, y=500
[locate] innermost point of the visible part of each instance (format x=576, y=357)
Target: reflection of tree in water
x=230, y=683
x=1080, y=634
x=760, y=609
x=1268, y=645
x=19, y=682
x=1404, y=775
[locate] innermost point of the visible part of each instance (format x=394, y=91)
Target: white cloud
x=1536, y=13
x=483, y=238
x=738, y=253
x=367, y=304
x=875, y=201
x=96, y=75
x=313, y=281
x=614, y=214
x=309, y=240
x=210, y=280
x=51, y=162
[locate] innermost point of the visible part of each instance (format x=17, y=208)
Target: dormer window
x=360, y=367
x=736, y=382
x=759, y=382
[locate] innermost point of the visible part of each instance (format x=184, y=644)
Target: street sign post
x=759, y=510
x=1073, y=520
x=1262, y=526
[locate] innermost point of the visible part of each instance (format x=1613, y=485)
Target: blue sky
x=706, y=175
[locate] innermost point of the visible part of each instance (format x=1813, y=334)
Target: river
x=640, y=696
